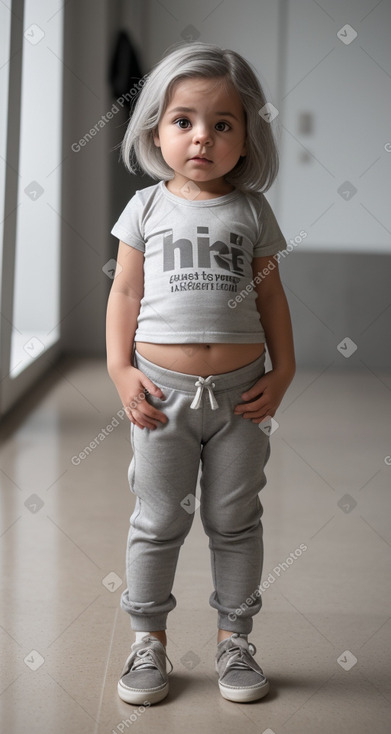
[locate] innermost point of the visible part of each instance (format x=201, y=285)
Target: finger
x=159, y=416
x=138, y=425
x=143, y=408
x=152, y=413
x=142, y=421
x=139, y=402
x=260, y=419
x=128, y=413
x=142, y=426
x=148, y=415
x=254, y=392
x=151, y=387
x=260, y=414
x=250, y=407
x=253, y=418
x=156, y=414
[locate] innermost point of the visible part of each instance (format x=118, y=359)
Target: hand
x=264, y=397
x=131, y=385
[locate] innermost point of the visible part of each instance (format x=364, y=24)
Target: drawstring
x=202, y=383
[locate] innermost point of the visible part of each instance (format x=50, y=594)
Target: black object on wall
x=124, y=72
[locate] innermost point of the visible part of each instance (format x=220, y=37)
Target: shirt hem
x=270, y=250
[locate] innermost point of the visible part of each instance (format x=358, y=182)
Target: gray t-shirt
x=198, y=277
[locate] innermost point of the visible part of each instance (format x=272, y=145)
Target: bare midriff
x=200, y=359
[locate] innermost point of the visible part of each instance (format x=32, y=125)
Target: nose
x=202, y=135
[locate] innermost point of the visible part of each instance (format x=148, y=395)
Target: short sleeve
x=270, y=239
x=128, y=226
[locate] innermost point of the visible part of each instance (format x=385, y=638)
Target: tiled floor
x=323, y=635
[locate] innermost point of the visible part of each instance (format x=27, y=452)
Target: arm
x=266, y=395
x=121, y=321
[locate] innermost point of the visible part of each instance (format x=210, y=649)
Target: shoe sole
x=244, y=695
x=138, y=696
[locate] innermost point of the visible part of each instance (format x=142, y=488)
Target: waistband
x=186, y=382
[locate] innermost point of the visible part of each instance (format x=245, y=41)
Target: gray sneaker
x=144, y=677
x=240, y=677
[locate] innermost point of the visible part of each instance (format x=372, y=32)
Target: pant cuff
x=142, y=617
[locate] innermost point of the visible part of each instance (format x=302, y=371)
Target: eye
x=182, y=123
x=222, y=127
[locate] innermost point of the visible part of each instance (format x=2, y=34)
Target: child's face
x=212, y=125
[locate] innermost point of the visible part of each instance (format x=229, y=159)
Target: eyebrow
x=191, y=109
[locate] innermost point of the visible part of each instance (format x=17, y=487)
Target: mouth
x=201, y=158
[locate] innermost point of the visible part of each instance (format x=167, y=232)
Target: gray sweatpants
x=163, y=475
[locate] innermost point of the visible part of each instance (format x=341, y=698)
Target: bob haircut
x=254, y=172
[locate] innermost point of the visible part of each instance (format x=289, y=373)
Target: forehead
x=214, y=92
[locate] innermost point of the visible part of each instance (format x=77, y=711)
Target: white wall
x=345, y=88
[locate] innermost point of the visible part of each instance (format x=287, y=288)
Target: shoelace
x=201, y=384
x=240, y=656
x=146, y=658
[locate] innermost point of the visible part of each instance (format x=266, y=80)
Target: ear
x=156, y=139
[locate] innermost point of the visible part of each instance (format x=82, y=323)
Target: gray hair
x=254, y=172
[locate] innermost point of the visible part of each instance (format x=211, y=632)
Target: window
x=33, y=245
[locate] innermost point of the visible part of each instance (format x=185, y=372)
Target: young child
x=195, y=297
